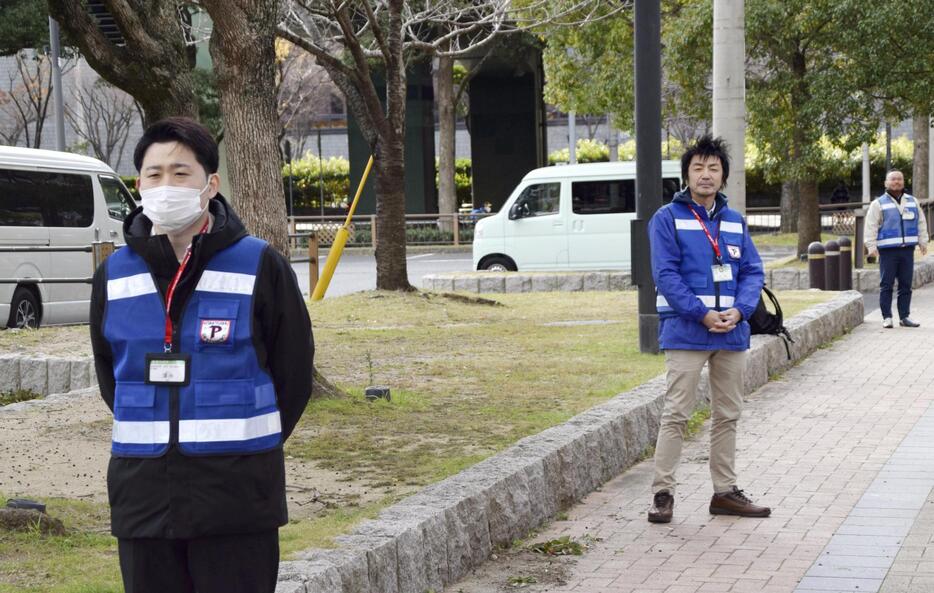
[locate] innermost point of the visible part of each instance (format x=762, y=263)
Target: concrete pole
x=648, y=84
x=729, y=91
x=612, y=138
x=56, y=49
x=888, y=147
x=867, y=192
x=572, y=138
x=931, y=158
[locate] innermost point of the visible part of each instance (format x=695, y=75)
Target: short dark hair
x=705, y=147
x=183, y=130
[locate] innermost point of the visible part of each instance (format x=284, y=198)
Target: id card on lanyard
x=167, y=367
x=721, y=272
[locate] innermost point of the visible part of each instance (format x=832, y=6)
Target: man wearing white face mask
x=203, y=351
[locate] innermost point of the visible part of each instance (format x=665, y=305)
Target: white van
x=54, y=199
x=572, y=217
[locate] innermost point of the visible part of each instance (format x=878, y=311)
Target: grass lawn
x=468, y=379
x=83, y=561
x=785, y=239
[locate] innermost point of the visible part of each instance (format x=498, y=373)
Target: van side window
x=119, y=203
x=603, y=197
x=540, y=199
x=33, y=198
x=670, y=186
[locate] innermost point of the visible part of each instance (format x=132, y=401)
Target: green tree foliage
x=588, y=69
x=889, y=52
x=817, y=71
x=23, y=24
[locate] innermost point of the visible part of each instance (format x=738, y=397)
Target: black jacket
x=179, y=496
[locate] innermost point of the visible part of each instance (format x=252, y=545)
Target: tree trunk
x=789, y=207
x=808, y=215
x=391, y=269
x=322, y=388
x=243, y=49
x=920, y=184
x=447, y=119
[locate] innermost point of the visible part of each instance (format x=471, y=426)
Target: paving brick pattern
x=823, y=446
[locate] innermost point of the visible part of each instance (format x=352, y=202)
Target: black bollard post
x=831, y=265
x=846, y=263
x=816, y=265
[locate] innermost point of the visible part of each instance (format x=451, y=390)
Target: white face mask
x=173, y=208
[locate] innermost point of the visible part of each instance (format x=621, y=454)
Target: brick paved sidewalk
x=825, y=446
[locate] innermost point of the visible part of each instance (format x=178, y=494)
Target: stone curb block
x=9, y=371
x=435, y=537
x=46, y=375
x=514, y=282
x=863, y=279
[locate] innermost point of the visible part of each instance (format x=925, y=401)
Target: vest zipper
x=716, y=285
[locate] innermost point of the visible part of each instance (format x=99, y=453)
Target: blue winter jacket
x=682, y=260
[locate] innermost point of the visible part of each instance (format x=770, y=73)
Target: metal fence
x=840, y=219
x=420, y=229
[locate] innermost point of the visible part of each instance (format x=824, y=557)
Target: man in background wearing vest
x=202, y=398
x=709, y=277
x=895, y=225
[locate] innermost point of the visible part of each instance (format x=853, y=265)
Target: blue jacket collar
x=684, y=197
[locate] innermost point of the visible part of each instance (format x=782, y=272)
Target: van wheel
x=498, y=264
x=24, y=310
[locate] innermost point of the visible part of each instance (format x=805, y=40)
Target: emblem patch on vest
x=733, y=251
x=215, y=331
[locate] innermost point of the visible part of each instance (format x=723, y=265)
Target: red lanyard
x=715, y=243
x=170, y=292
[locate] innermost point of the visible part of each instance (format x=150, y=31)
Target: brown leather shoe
x=736, y=503
x=663, y=505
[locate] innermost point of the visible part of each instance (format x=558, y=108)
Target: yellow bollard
x=337, y=247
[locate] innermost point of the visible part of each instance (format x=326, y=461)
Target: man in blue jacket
x=709, y=277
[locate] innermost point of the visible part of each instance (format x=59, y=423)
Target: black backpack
x=764, y=321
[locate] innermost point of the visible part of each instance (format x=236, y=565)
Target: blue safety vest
x=697, y=256
x=229, y=405
x=898, y=229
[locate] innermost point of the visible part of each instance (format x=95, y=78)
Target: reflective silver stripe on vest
x=130, y=286
x=708, y=300
x=230, y=429
x=140, y=433
x=897, y=241
x=685, y=224
x=226, y=282
x=731, y=227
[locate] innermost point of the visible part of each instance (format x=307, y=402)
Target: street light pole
x=56, y=49
x=288, y=157
x=648, y=84
x=320, y=174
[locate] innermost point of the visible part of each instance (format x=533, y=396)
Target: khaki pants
x=726, y=400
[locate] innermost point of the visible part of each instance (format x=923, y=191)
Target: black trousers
x=246, y=563
x=896, y=263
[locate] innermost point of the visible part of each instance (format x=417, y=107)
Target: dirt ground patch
x=67, y=341
x=62, y=449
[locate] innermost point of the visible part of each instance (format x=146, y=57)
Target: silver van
x=54, y=199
